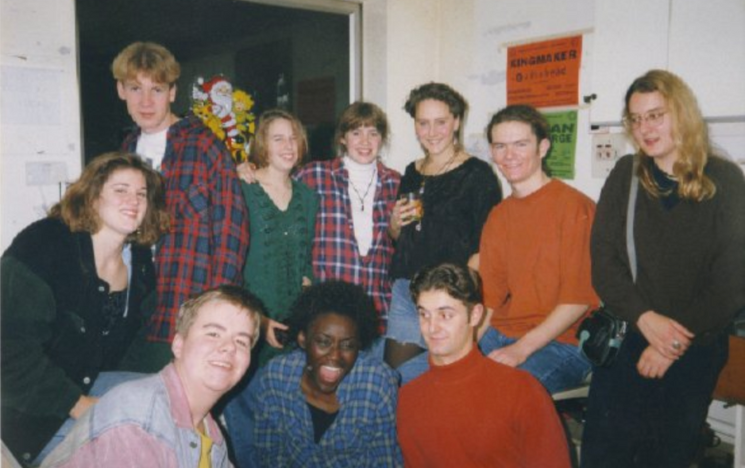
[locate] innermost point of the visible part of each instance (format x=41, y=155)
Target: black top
x=456, y=205
x=321, y=421
x=57, y=332
x=690, y=255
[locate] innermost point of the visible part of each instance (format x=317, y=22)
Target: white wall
x=405, y=43
x=464, y=43
x=39, y=109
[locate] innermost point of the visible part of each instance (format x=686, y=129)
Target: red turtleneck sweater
x=478, y=413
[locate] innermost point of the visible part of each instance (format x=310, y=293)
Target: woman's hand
x=268, y=328
x=82, y=405
x=653, y=365
x=668, y=337
x=247, y=172
x=404, y=213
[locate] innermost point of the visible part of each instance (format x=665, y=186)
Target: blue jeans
x=104, y=382
x=652, y=423
x=557, y=366
x=403, y=318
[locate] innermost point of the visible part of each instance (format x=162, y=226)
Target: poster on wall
x=544, y=74
x=560, y=159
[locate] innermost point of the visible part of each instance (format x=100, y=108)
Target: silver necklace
x=442, y=170
x=367, y=190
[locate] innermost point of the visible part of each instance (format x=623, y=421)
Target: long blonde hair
x=689, y=132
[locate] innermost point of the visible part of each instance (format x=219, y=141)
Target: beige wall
x=462, y=43
x=40, y=112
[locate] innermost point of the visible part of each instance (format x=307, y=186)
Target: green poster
x=560, y=159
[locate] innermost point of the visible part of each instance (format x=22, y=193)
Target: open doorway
x=265, y=50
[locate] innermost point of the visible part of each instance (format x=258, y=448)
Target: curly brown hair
x=77, y=207
x=456, y=103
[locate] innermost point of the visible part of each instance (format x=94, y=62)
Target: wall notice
x=544, y=74
x=560, y=159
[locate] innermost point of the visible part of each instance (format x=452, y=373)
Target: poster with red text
x=544, y=74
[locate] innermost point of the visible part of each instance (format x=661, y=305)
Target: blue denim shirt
x=146, y=422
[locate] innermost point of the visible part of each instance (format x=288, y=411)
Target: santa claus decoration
x=227, y=112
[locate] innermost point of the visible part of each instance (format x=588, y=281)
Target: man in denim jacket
x=164, y=420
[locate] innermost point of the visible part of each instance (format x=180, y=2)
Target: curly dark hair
x=439, y=92
x=456, y=103
x=457, y=280
x=335, y=297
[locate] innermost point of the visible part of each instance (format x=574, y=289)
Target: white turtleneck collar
x=361, y=192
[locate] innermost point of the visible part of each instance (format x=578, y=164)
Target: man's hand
x=652, y=364
x=269, y=328
x=247, y=172
x=512, y=355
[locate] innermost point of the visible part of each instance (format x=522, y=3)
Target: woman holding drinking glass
x=455, y=193
x=648, y=407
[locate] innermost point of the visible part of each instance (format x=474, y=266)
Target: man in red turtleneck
x=468, y=410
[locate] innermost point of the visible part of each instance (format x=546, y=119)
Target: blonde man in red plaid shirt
x=208, y=241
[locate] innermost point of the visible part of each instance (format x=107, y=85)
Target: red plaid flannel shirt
x=208, y=241
x=335, y=252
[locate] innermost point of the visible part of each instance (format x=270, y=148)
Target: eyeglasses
x=653, y=118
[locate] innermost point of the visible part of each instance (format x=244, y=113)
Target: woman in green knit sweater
x=282, y=221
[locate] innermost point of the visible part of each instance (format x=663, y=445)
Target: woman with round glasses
x=648, y=407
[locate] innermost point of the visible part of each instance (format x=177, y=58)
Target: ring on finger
x=676, y=345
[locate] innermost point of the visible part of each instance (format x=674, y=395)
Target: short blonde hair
x=151, y=59
x=235, y=295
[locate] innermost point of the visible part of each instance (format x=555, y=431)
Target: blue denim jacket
x=145, y=422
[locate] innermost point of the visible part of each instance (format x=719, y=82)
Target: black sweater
x=53, y=345
x=690, y=256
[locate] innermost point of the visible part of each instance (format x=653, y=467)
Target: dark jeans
x=654, y=423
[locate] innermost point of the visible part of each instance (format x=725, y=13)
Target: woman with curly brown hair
x=456, y=193
x=73, y=288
